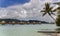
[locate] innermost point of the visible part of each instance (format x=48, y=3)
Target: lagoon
x=24, y=30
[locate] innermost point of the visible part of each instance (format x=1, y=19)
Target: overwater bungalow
x=16, y=21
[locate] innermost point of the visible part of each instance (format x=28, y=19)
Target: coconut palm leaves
x=58, y=3
x=48, y=10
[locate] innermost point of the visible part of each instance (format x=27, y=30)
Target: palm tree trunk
x=58, y=20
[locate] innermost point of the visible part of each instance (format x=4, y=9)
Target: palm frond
x=54, y=10
x=53, y=13
x=58, y=3
x=47, y=5
x=48, y=10
x=44, y=14
x=43, y=11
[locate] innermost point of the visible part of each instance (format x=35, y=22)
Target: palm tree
x=58, y=14
x=48, y=10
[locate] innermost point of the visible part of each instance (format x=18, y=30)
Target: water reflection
x=55, y=32
x=58, y=30
x=26, y=30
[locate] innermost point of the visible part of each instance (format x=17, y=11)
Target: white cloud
x=30, y=10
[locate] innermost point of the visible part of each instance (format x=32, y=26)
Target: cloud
x=30, y=10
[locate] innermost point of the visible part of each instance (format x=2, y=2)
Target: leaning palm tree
x=48, y=10
x=58, y=14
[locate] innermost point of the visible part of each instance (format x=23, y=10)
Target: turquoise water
x=24, y=30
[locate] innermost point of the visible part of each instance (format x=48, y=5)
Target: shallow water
x=24, y=30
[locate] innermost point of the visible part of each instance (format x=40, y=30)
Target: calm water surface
x=24, y=30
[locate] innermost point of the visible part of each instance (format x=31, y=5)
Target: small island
x=16, y=21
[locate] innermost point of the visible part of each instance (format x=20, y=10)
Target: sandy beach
x=49, y=34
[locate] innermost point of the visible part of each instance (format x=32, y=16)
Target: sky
x=6, y=3
x=24, y=9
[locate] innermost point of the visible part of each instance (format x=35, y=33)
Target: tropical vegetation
x=48, y=10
